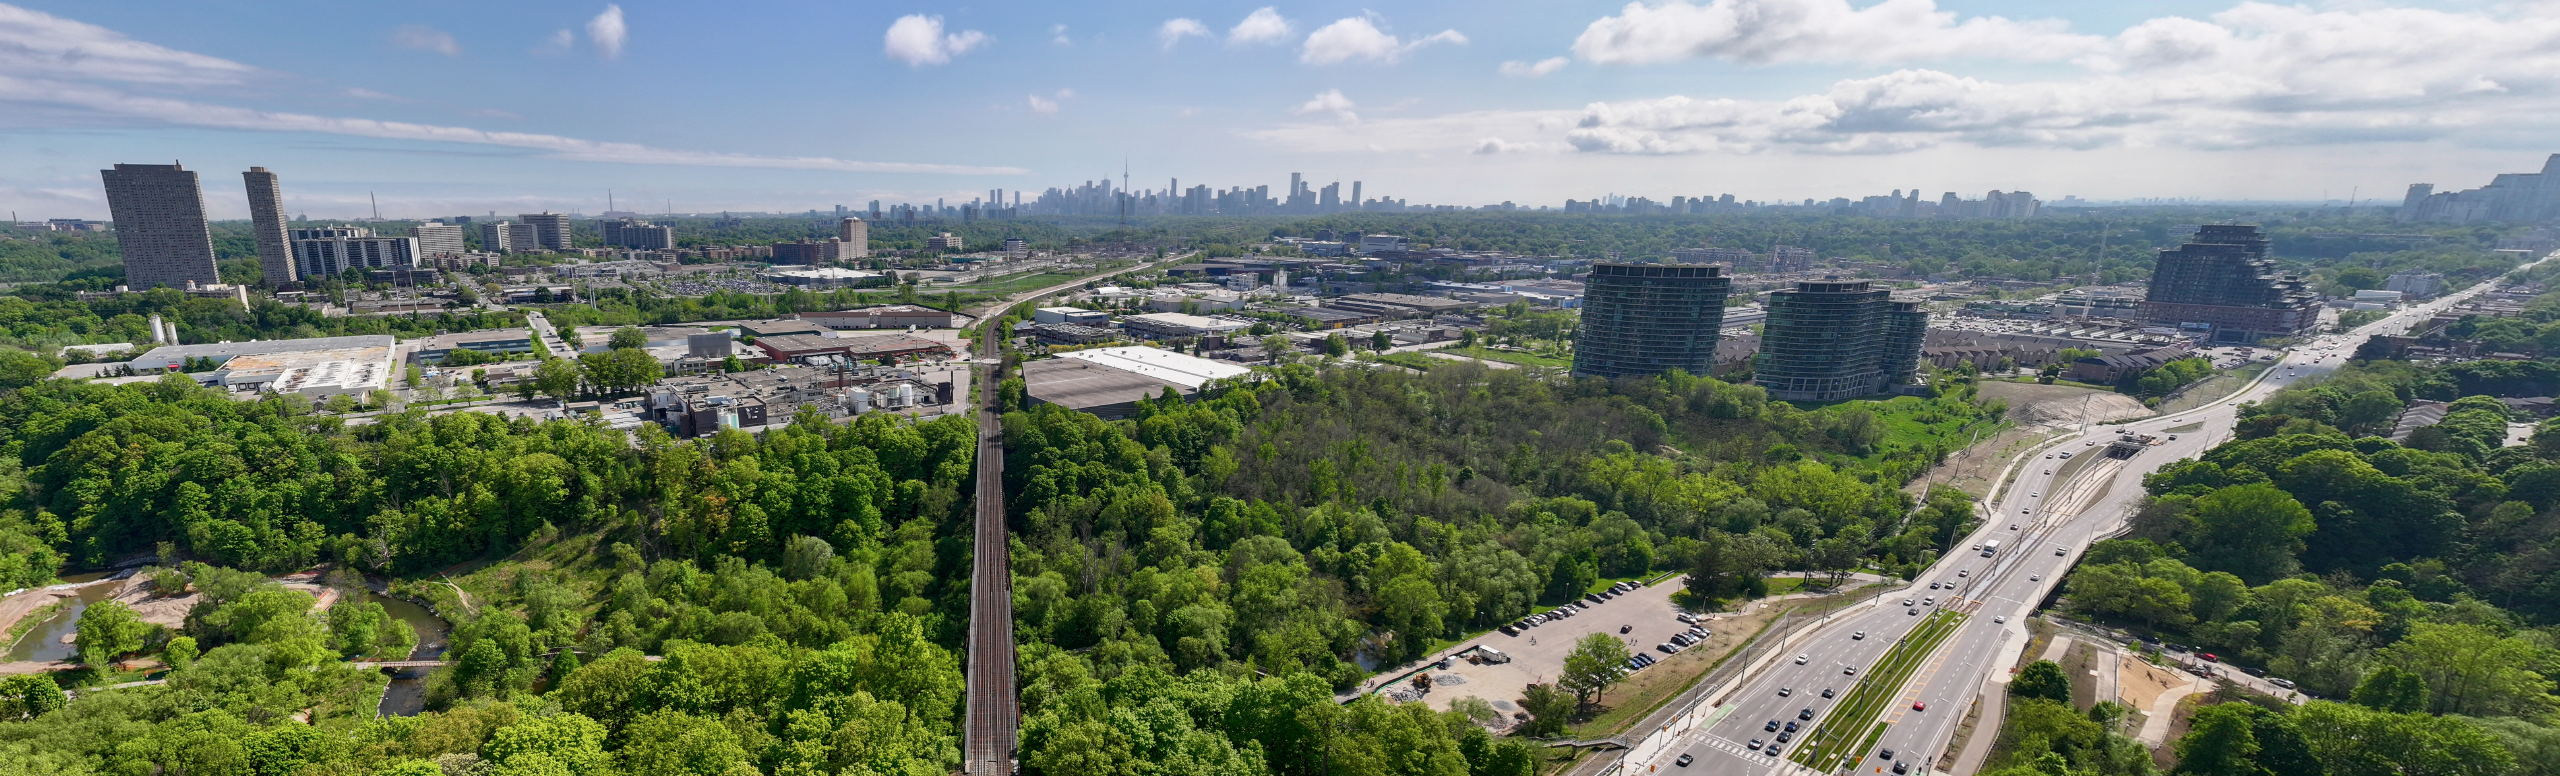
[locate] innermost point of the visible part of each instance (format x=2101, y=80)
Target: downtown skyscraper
x=160, y=225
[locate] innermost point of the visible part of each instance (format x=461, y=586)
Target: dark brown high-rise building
x=1648, y=319
x=1834, y=339
x=2222, y=284
x=160, y=226
x=266, y=225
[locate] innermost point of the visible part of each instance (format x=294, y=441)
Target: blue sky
x=467, y=107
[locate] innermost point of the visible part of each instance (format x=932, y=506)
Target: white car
x=1800, y=659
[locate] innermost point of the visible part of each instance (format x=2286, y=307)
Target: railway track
x=994, y=715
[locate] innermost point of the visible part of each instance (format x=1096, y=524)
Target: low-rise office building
x=494, y=342
x=1177, y=326
x=1070, y=334
x=801, y=347
x=895, y=316
x=826, y=277
x=1399, y=305
x=1075, y=315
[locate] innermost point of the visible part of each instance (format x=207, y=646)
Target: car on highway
x=1914, y=610
x=1793, y=727
x=1771, y=727
x=1774, y=749
x=1758, y=742
x=1933, y=585
x=1921, y=706
x=1826, y=692
x=1801, y=658
x=1786, y=736
x=2048, y=471
x=1929, y=601
x=1885, y=755
x=2000, y=619
x=1849, y=670
x=1964, y=572
x=1905, y=602
x=1901, y=767
x=1684, y=760
x=2057, y=552
x=1625, y=628
x=2066, y=454
x=1786, y=691
x=1858, y=636
x=1807, y=713
x=2035, y=577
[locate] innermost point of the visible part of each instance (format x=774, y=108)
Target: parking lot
x=1537, y=654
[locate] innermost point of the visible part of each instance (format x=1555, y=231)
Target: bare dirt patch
x=2140, y=683
x=2036, y=413
x=2031, y=404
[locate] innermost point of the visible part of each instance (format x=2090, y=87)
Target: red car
x=1921, y=706
x=2209, y=657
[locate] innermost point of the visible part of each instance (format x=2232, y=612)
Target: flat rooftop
x=1083, y=385
x=161, y=357
x=1166, y=366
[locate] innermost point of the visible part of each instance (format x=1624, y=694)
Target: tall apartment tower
x=2223, y=282
x=160, y=227
x=1647, y=319
x=856, y=236
x=1834, y=339
x=438, y=239
x=266, y=224
x=550, y=231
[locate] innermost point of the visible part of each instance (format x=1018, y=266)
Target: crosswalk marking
x=1752, y=756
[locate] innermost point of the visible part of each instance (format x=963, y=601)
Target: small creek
x=408, y=692
x=49, y=641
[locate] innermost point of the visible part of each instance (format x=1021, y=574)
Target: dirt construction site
x=2035, y=413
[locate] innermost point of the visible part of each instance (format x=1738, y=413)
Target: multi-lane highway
x=2064, y=495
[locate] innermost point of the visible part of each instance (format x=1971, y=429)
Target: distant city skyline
x=815, y=104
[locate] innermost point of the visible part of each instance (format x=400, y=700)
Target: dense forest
x=2408, y=587
x=1195, y=585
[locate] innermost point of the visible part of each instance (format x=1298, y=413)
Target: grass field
x=1857, y=722
x=1515, y=357
x=1414, y=361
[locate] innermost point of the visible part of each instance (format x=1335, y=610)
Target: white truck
x=1990, y=547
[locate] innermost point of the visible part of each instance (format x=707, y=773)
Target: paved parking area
x=1537, y=654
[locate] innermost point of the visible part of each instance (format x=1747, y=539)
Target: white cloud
x=97, y=102
x=1774, y=31
x=1046, y=105
x=1263, y=25
x=34, y=44
x=425, y=38
x=1174, y=30
x=558, y=42
x=2253, y=76
x=918, y=40
x=55, y=70
x=1329, y=101
x=1534, y=69
x=1359, y=38
x=608, y=32
x=1058, y=35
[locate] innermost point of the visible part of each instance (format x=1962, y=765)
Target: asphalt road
x=2054, y=521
